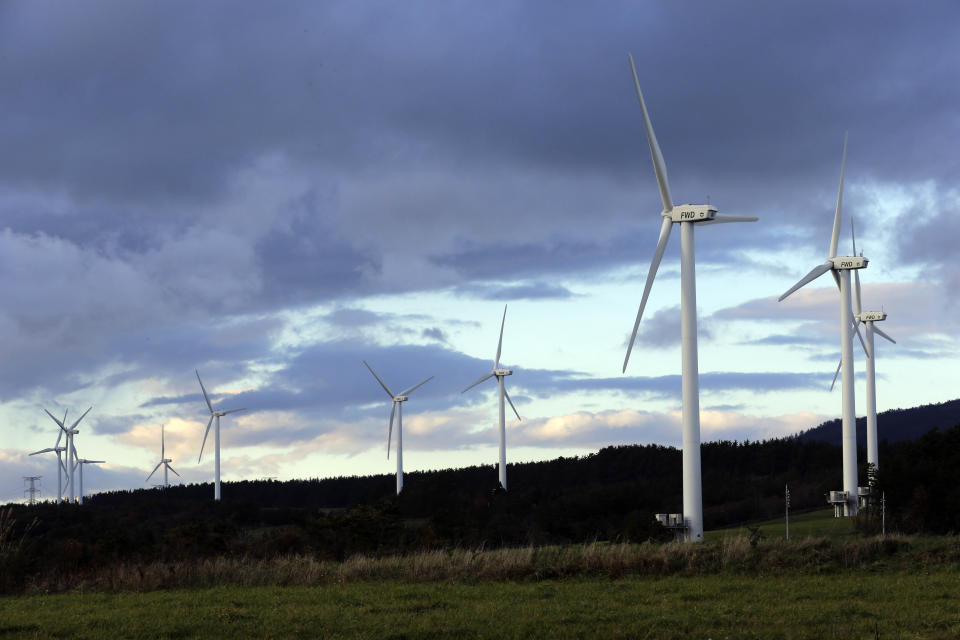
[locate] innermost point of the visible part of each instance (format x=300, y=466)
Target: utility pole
x=31, y=491
x=786, y=490
x=883, y=513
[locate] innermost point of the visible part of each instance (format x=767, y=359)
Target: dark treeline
x=894, y=425
x=609, y=495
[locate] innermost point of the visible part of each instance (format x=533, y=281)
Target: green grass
x=847, y=605
x=819, y=523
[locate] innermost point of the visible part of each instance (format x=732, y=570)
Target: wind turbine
x=80, y=463
x=868, y=318
x=71, y=449
x=500, y=375
x=215, y=414
x=840, y=267
x=61, y=471
x=397, y=408
x=686, y=215
x=163, y=461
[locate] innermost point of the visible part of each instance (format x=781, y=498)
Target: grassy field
x=849, y=605
x=819, y=523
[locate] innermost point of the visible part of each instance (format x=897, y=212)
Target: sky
x=272, y=193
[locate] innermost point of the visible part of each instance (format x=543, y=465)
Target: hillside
x=895, y=425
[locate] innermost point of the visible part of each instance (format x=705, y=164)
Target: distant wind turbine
x=80, y=463
x=397, y=407
x=686, y=215
x=840, y=267
x=215, y=415
x=500, y=375
x=71, y=449
x=61, y=470
x=868, y=318
x=163, y=461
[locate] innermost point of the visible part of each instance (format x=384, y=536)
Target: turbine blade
x=853, y=237
x=839, y=364
x=883, y=335
x=172, y=469
x=42, y=451
x=856, y=329
x=835, y=236
x=74, y=425
x=406, y=392
x=836, y=278
x=496, y=359
x=379, y=379
x=856, y=290
x=507, y=396
x=162, y=446
x=659, y=166
x=719, y=218
x=60, y=424
x=489, y=375
x=815, y=273
x=153, y=472
x=206, y=398
x=654, y=265
x=393, y=410
x=205, y=434
x=233, y=411
x=59, y=437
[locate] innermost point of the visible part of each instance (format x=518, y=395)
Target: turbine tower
x=215, y=415
x=61, y=471
x=397, y=407
x=500, y=375
x=163, y=461
x=868, y=318
x=71, y=449
x=686, y=215
x=840, y=267
x=80, y=463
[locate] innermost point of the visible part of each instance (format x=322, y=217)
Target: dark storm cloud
x=523, y=291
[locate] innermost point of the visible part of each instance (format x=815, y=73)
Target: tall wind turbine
x=165, y=461
x=397, y=407
x=840, y=267
x=71, y=450
x=80, y=463
x=500, y=375
x=61, y=471
x=215, y=415
x=868, y=318
x=686, y=215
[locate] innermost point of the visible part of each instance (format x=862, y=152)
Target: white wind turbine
x=840, y=267
x=71, y=449
x=500, y=375
x=397, y=407
x=215, y=415
x=61, y=470
x=80, y=463
x=163, y=461
x=686, y=215
x=868, y=318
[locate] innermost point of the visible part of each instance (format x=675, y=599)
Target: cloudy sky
x=272, y=193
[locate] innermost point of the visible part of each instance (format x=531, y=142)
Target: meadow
x=856, y=604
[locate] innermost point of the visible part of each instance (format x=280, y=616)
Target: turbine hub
x=502, y=372
x=871, y=316
x=849, y=262
x=691, y=213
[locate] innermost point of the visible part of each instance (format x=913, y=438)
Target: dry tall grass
x=732, y=555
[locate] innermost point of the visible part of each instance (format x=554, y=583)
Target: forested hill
x=895, y=425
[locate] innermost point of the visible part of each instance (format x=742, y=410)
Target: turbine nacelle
x=849, y=262
x=871, y=316
x=400, y=398
x=691, y=213
x=502, y=372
